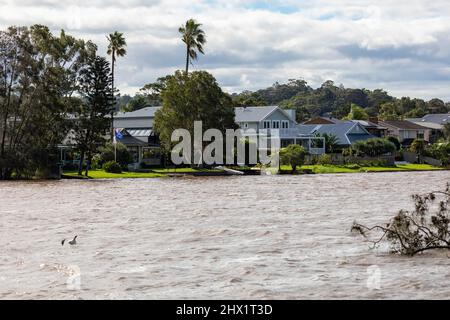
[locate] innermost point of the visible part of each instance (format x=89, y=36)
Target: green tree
x=190, y=97
x=446, y=131
x=39, y=77
x=116, y=48
x=357, y=113
x=139, y=101
x=389, y=111
x=248, y=99
x=419, y=146
x=93, y=124
x=152, y=91
x=436, y=106
x=293, y=155
x=194, y=38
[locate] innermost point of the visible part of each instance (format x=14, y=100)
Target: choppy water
x=277, y=237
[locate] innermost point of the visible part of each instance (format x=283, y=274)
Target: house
x=323, y=120
x=406, y=131
x=263, y=120
x=137, y=128
x=346, y=132
x=138, y=135
x=371, y=125
x=435, y=123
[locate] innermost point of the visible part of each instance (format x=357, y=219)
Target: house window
x=285, y=124
x=245, y=125
x=276, y=124
x=266, y=124
x=421, y=134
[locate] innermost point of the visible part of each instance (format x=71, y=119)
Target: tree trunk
x=187, y=60
x=113, y=97
x=80, y=166
x=88, y=164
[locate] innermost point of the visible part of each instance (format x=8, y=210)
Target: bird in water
x=72, y=242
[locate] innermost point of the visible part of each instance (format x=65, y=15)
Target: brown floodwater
x=264, y=237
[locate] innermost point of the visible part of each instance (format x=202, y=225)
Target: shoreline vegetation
x=307, y=169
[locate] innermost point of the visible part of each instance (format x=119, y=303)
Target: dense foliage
x=373, y=147
x=337, y=101
x=293, y=155
x=40, y=73
x=191, y=97
x=92, y=123
x=118, y=152
x=112, y=167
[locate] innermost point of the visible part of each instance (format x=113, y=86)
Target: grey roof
x=428, y=125
x=141, y=113
x=439, y=118
x=369, y=124
x=340, y=130
x=248, y=114
x=402, y=124
x=253, y=114
x=326, y=118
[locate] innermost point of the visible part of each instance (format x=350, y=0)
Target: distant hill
x=336, y=101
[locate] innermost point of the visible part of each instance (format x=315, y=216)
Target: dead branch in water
x=412, y=232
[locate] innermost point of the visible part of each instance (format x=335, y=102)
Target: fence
x=412, y=157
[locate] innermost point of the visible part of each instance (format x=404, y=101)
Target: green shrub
x=107, y=152
x=324, y=159
x=112, y=167
x=373, y=147
x=440, y=151
x=293, y=155
x=395, y=141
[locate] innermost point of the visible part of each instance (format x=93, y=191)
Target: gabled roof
x=402, y=124
x=323, y=120
x=344, y=131
x=141, y=113
x=369, y=124
x=428, y=125
x=253, y=114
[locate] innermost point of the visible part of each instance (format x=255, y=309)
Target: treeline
x=50, y=86
x=337, y=101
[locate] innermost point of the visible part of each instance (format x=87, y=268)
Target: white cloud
x=402, y=46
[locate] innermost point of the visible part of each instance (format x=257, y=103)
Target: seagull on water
x=72, y=242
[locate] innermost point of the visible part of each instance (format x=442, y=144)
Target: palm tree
x=194, y=38
x=116, y=48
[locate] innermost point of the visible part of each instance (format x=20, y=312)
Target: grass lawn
x=182, y=170
x=341, y=169
x=156, y=173
x=100, y=174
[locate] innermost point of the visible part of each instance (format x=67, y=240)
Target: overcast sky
x=402, y=47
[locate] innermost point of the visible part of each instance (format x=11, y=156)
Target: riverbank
x=154, y=173
x=329, y=169
x=311, y=169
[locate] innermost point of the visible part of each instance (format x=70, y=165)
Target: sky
x=402, y=46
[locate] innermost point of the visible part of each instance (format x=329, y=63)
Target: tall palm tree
x=116, y=48
x=194, y=38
